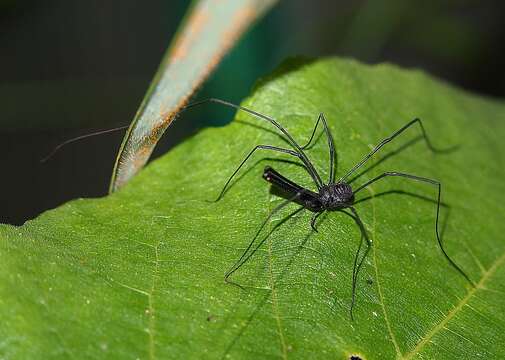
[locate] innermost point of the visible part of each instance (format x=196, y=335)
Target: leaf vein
x=152, y=319
x=379, y=287
x=441, y=325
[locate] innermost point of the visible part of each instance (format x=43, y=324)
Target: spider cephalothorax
x=336, y=196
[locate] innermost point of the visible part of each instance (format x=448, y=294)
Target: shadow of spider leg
x=250, y=250
x=439, y=187
x=357, y=264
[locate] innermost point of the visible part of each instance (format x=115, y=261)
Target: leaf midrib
x=441, y=325
x=379, y=288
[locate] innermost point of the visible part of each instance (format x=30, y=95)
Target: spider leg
x=331, y=145
x=310, y=167
x=247, y=254
x=314, y=219
x=77, y=138
x=306, y=146
x=389, y=139
x=439, y=186
x=357, y=264
x=260, y=147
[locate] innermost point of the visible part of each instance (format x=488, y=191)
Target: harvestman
x=330, y=196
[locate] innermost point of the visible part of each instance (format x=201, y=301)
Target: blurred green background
x=71, y=67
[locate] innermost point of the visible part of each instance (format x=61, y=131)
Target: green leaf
x=139, y=274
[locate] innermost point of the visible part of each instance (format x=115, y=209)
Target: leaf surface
x=139, y=274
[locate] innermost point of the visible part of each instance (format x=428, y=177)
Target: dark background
x=71, y=67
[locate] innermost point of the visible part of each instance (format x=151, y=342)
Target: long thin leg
x=310, y=168
x=331, y=145
x=357, y=265
x=439, y=186
x=388, y=139
x=246, y=254
x=314, y=219
x=77, y=138
x=261, y=147
x=306, y=146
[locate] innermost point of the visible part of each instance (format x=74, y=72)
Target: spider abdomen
x=336, y=196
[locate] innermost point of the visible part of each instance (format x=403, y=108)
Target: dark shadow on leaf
x=417, y=196
x=246, y=171
x=385, y=157
x=280, y=135
x=264, y=299
x=401, y=192
x=396, y=152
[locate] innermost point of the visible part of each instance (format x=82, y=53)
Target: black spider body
x=336, y=196
x=330, y=197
